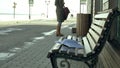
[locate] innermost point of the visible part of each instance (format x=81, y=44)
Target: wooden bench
x=92, y=43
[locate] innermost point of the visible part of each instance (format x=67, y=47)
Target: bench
x=92, y=43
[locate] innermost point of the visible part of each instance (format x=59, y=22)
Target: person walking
x=60, y=16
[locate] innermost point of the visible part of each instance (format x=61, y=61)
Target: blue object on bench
x=70, y=43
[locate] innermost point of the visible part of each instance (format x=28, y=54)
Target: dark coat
x=59, y=10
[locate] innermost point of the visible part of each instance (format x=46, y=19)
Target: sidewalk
x=36, y=55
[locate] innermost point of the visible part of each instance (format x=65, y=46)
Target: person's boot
x=58, y=31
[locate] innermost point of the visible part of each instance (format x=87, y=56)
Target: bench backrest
x=98, y=32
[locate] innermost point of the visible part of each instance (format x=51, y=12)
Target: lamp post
x=30, y=5
x=29, y=11
x=47, y=3
x=14, y=6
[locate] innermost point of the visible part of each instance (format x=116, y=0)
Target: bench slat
x=97, y=29
x=63, y=49
x=94, y=35
x=99, y=22
x=91, y=41
x=87, y=47
x=79, y=52
x=69, y=37
x=71, y=51
x=56, y=46
x=67, y=50
x=80, y=39
x=102, y=16
x=75, y=38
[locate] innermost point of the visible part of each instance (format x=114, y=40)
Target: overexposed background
x=38, y=10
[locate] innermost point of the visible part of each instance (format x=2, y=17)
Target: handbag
x=66, y=12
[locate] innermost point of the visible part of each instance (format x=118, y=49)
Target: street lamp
x=30, y=5
x=29, y=11
x=14, y=6
x=47, y=3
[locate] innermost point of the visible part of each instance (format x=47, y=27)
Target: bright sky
x=39, y=7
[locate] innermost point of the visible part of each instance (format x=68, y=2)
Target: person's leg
x=58, y=29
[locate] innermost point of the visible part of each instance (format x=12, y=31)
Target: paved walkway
x=35, y=55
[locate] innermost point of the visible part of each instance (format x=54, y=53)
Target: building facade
x=101, y=5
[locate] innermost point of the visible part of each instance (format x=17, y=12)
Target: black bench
x=93, y=42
